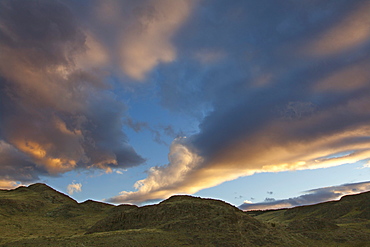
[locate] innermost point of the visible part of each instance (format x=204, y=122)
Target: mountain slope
x=38, y=215
x=346, y=221
x=348, y=208
x=38, y=210
x=203, y=221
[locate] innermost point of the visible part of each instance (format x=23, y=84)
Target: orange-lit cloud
x=161, y=181
x=147, y=42
x=261, y=109
x=95, y=55
x=350, y=32
x=189, y=173
x=57, y=112
x=5, y=184
x=285, y=113
x=353, y=77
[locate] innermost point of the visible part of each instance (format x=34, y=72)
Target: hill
x=345, y=221
x=198, y=221
x=40, y=211
x=38, y=215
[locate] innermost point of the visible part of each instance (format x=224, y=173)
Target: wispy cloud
x=303, y=115
x=349, y=32
x=310, y=197
x=268, y=81
x=74, y=188
x=148, y=41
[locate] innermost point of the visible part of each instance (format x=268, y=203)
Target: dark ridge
x=50, y=194
x=92, y=202
x=38, y=187
x=183, y=198
x=190, y=216
x=95, y=205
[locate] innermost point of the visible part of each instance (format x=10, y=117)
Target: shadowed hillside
x=200, y=221
x=346, y=221
x=41, y=216
x=40, y=211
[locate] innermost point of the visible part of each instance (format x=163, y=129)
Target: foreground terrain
x=41, y=216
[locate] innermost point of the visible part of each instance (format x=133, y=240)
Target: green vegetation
x=337, y=223
x=40, y=216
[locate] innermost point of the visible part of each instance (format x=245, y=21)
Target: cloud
x=366, y=165
x=311, y=197
x=73, y=188
x=267, y=81
x=136, y=36
x=148, y=41
x=157, y=132
x=345, y=34
x=303, y=116
x=162, y=181
x=58, y=112
x=4, y=184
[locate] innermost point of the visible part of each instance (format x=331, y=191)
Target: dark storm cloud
x=277, y=86
x=311, y=197
x=17, y=166
x=56, y=113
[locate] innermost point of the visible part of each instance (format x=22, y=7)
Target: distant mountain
x=38, y=215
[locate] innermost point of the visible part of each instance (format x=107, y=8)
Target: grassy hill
x=199, y=222
x=345, y=222
x=41, y=216
x=40, y=211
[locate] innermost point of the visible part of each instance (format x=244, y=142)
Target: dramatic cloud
x=350, y=32
x=164, y=180
x=73, y=187
x=149, y=39
x=57, y=112
x=135, y=35
x=275, y=87
x=273, y=100
x=311, y=197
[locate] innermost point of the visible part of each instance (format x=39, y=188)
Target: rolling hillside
x=41, y=216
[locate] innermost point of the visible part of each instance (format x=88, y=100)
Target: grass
x=40, y=216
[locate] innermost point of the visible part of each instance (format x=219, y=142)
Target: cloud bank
x=275, y=86
x=58, y=106
x=311, y=197
x=289, y=92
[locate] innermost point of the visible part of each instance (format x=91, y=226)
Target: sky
x=263, y=104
